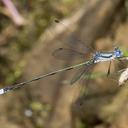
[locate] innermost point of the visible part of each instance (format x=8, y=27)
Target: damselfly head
x=118, y=53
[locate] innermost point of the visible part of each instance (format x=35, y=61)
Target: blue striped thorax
x=107, y=56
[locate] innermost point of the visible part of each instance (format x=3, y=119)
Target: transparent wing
x=74, y=42
x=77, y=76
x=80, y=74
x=109, y=68
x=64, y=54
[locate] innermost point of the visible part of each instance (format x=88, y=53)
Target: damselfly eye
x=118, y=53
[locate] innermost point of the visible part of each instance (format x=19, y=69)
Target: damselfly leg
x=109, y=68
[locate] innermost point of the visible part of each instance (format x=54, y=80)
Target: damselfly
x=64, y=53
x=96, y=58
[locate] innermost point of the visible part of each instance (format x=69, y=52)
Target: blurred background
x=29, y=36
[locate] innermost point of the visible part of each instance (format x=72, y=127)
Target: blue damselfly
x=64, y=53
x=96, y=58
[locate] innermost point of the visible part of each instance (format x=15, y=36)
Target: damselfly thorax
x=108, y=56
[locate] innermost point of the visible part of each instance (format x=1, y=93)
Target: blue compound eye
x=118, y=53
